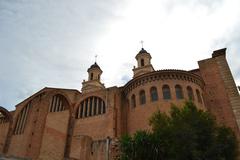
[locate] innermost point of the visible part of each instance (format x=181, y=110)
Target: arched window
x=142, y=62
x=190, y=93
x=166, y=92
x=179, y=92
x=91, y=106
x=198, y=96
x=133, y=101
x=22, y=119
x=58, y=104
x=142, y=97
x=154, y=94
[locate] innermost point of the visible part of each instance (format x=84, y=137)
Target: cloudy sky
x=53, y=42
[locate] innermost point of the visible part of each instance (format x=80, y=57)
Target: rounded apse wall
x=158, y=90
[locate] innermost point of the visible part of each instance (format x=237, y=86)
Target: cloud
x=48, y=43
x=52, y=43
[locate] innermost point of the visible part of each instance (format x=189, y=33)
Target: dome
x=95, y=65
x=142, y=51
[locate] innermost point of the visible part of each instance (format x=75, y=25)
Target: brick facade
x=66, y=123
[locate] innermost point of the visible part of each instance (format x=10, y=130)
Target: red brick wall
x=216, y=94
x=138, y=117
x=54, y=137
x=3, y=134
x=20, y=143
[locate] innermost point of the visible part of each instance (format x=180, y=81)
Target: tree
x=186, y=133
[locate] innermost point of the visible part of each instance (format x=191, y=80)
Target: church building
x=57, y=123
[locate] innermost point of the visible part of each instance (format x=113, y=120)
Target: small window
x=154, y=94
x=142, y=62
x=90, y=106
x=133, y=101
x=179, y=92
x=86, y=108
x=198, y=96
x=104, y=108
x=190, y=93
x=142, y=97
x=91, y=78
x=81, y=110
x=166, y=92
x=95, y=106
x=99, y=107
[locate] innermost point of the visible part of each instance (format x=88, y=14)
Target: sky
x=52, y=43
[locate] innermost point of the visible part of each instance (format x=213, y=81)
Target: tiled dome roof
x=95, y=65
x=142, y=51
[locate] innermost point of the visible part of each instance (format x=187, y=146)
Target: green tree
x=186, y=133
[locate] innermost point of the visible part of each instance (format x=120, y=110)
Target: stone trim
x=163, y=75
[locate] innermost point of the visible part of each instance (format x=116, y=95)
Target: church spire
x=143, y=62
x=94, y=79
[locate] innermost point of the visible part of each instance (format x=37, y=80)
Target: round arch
x=62, y=95
x=84, y=98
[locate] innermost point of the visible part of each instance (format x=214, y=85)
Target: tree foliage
x=186, y=133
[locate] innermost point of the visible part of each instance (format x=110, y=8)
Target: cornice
x=166, y=74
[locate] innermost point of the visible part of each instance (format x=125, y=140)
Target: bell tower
x=94, y=79
x=143, y=63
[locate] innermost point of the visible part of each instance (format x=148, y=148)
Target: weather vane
x=142, y=42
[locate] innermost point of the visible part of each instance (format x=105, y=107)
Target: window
x=95, y=106
x=179, y=92
x=154, y=94
x=91, y=78
x=142, y=62
x=58, y=104
x=99, y=107
x=90, y=106
x=22, y=119
x=80, y=111
x=142, y=97
x=133, y=101
x=104, y=108
x=86, y=108
x=198, y=96
x=166, y=92
x=190, y=93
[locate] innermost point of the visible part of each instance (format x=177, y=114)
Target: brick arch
x=97, y=103
x=6, y=113
x=69, y=123
x=64, y=96
x=84, y=98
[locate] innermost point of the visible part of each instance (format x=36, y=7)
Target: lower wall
x=54, y=136
x=84, y=148
x=3, y=135
x=18, y=145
